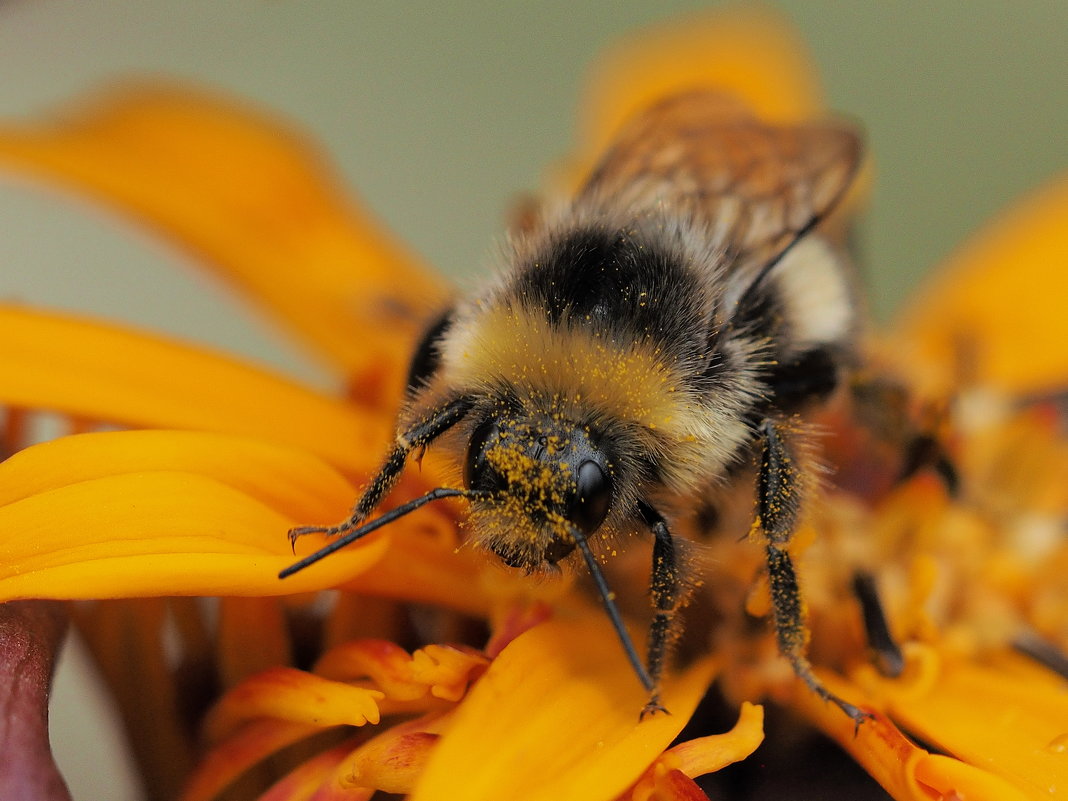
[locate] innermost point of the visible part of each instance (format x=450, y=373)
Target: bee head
x=547, y=473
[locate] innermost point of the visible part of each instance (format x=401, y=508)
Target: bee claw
x=296, y=533
x=653, y=707
x=856, y=713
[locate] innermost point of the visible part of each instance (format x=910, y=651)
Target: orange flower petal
x=306, y=782
x=716, y=751
x=117, y=375
x=749, y=53
x=676, y=786
x=136, y=513
x=438, y=670
x=950, y=778
x=669, y=777
x=252, y=636
x=558, y=713
x=393, y=760
x=417, y=569
x=885, y=753
x=1012, y=733
x=993, y=722
x=996, y=311
x=295, y=696
x=393, y=764
x=156, y=533
x=290, y=481
x=252, y=201
x=248, y=746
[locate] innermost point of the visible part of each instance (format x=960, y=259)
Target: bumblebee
x=663, y=330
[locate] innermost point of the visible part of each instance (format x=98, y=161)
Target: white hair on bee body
x=817, y=298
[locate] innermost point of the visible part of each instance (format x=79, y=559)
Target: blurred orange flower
x=333, y=684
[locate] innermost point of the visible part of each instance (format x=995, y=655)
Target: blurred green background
x=439, y=113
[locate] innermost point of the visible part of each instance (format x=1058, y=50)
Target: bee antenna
x=608, y=599
x=362, y=531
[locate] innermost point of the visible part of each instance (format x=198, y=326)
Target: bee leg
x=1046, y=653
x=665, y=590
x=885, y=651
x=418, y=436
x=927, y=451
x=778, y=508
x=881, y=406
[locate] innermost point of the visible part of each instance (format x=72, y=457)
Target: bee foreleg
x=778, y=507
x=426, y=430
x=665, y=589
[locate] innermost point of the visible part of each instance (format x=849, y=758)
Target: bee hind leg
x=779, y=489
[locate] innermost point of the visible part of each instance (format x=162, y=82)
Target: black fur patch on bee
x=616, y=280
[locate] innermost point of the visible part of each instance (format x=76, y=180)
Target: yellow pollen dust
x=530, y=479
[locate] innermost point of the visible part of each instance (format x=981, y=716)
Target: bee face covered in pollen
x=661, y=331
x=543, y=477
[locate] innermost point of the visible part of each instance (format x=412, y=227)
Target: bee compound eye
x=593, y=497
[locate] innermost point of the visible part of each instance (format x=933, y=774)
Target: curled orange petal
x=393, y=760
x=716, y=751
x=442, y=671
x=295, y=696
x=253, y=201
x=887, y=755
x=669, y=777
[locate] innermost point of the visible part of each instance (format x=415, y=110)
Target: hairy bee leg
x=664, y=589
x=886, y=652
x=790, y=627
x=1046, y=653
x=778, y=507
x=881, y=407
x=433, y=425
x=925, y=450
